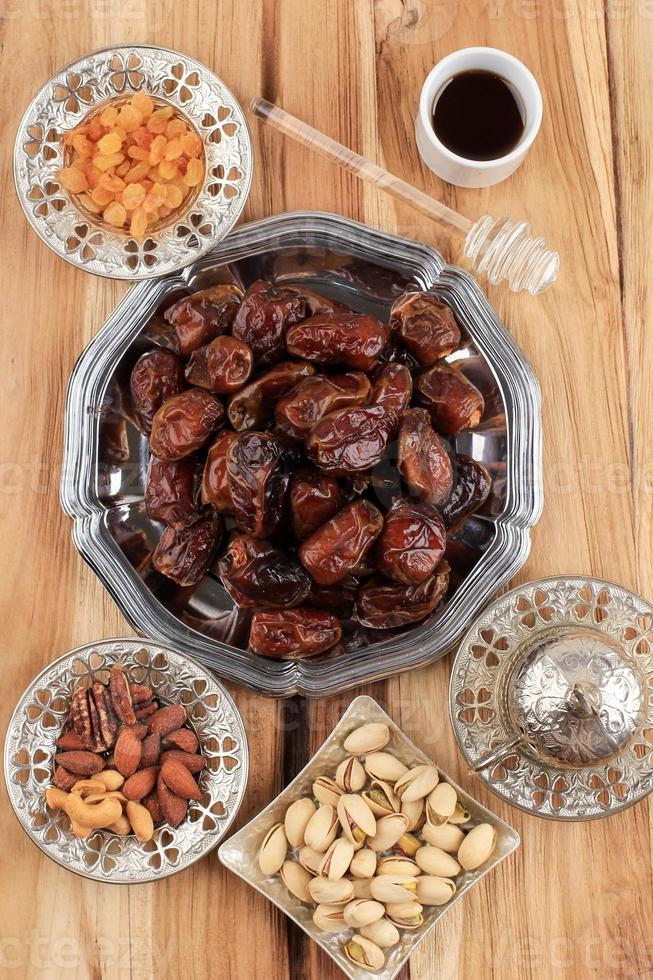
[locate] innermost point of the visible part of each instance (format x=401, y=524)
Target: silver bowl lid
x=549, y=697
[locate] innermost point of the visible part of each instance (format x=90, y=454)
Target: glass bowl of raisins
x=308, y=459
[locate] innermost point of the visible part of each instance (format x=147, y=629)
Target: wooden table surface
x=575, y=900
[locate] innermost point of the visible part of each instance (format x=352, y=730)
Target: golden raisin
x=138, y=223
x=144, y=103
x=115, y=214
x=194, y=173
x=157, y=150
x=133, y=196
x=73, y=180
x=191, y=144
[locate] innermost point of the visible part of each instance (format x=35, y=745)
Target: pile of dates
x=303, y=453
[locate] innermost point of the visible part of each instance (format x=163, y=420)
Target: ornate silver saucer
x=31, y=744
x=117, y=72
x=551, y=697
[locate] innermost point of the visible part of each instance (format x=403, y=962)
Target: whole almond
x=139, y=729
x=81, y=763
x=193, y=762
x=141, y=783
x=70, y=742
x=143, y=711
x=140, y=693
x=152, y=803
x=167, y=719
x=63, y=779
x=173, y=807
x=127, y=753
x=182, y=739
x=178, y=779
x=150, y=751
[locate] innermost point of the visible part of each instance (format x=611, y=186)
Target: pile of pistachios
x=376, y=847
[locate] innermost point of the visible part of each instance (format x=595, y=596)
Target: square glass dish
x=240, y=853
x=106, y=456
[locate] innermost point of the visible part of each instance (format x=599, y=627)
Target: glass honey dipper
x=502, y=249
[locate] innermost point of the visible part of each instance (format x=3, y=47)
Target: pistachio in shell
x=362, y=911
x=389, y=830
x=310, y=860
x=396, y=864
x=368, y=738
x=384, y=766
x=296, y=879
x=325, y=892
x=363, y=863
x=356, y=818
x=381, y=799
x=460, y=815
x=327, y=791
x=350, y=776
x=477, y=846
x=446, y=835
x=297, y=816
x=329, y=918
x=273, y=850
x=382, y=932
x=337, y=859
x=406, y=915
x=394, y=889
x=408, y=844
x=322, y=828
x=433, y=890
x=415, y=810
x=441, y=804
x=417, y=783
x=365, y=953
x=435, y=861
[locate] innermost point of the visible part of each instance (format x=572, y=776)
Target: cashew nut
x=56, y=798
x=84, y=787
x=98, y=797
x=78, y=830
x=141, y=820
x=110, y=777
x=94, y=815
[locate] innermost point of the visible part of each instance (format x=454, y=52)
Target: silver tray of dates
x=308, y=459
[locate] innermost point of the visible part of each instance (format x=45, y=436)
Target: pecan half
x=81, y=718
x=121, y=696
x=108, y=724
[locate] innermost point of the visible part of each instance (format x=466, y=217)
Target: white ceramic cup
x=459, y=170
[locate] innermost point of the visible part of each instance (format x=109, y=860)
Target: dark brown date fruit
x=223, y=366
x=171, y=491
x=184, y=423
x=423, y=459
x=470, y=491
x=265, y=314
x=411, y=543
x=340, y=545
x=354, y=339
x=293, y=633
x=184, y=555
x=393, y=388
x=315, y=303
x=257, y=478
x=203, y=316
x=215, y=486
x=425, y=326
x=261, y=574
x=350, y=440
x=314, y=498
x=253, y=405
x=381, y=604
x=453, y=401
x=156, y=376
x=315, y=397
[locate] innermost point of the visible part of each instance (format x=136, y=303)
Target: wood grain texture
x=575, y=901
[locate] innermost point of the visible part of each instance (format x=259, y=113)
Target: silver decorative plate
x=550, y=697
x=106, y=457
x=240, y=852
x=64, y=101
x=30, y=747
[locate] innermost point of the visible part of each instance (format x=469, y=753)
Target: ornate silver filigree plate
x=78, y=89
x=240, y=852
x=31, y=745
x=551, y=697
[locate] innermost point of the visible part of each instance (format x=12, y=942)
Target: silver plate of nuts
x=369, y=846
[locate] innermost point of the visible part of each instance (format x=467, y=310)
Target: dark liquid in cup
x=478, y=115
